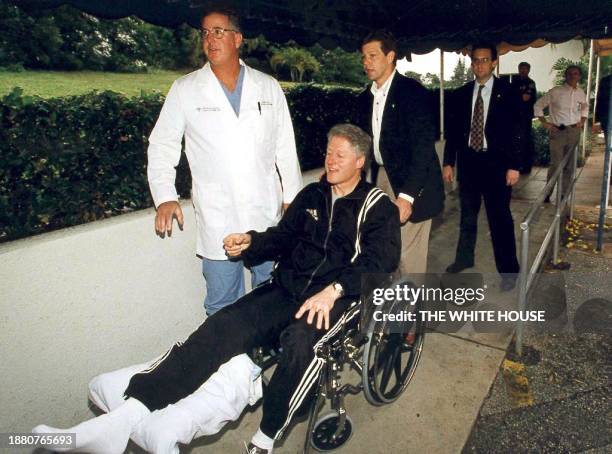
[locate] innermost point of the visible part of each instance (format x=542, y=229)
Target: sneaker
x=252, y=449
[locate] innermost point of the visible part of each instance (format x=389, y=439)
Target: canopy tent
x=420, y=25
x=603, y=47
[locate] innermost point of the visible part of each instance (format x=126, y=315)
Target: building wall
x=85, y=300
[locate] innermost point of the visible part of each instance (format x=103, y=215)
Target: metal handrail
x=528, y=273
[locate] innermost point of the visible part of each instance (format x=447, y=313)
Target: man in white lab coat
x=240, y=146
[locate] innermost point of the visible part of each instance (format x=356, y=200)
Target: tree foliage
x=339, y=66
x=65, y=38
x=298, y=61
x=68, y=39
x=462, y=74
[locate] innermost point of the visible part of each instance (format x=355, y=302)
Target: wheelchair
x=383, y=353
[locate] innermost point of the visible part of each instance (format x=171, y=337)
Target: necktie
x=477, y=128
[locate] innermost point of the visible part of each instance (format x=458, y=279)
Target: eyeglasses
x=477, y=61
x=217, y=32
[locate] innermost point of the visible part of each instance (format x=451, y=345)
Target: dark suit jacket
x=602, y=113
x=524, y=87
x=501, y=128
x=407, y=144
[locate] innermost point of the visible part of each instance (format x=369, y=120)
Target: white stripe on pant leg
x=158, y=361
x=305, y=378
x=308, y=379
x=304, y=387
x=335, y=328
x=318, y=362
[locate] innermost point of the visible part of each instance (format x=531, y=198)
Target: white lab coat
x=233, y=160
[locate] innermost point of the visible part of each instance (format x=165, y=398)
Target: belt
x=575, y=125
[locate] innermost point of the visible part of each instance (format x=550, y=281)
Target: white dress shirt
x=486, y=100
x=566, y=105
x=378, y=108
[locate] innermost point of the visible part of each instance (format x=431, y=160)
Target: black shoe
x=458, y=267
x=547, y=199
x=507, y=284
x=252, y=449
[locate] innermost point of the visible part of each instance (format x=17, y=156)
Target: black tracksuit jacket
x=315, y=245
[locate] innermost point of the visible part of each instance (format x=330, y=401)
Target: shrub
x=66, y=161
x=540, y=144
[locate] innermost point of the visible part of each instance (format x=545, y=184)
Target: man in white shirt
x=568, y=110
x=240, y=145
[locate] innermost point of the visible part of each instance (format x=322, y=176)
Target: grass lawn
x=50, y=84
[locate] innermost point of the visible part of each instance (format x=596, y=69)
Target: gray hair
x=360, y=141
x=232, y=15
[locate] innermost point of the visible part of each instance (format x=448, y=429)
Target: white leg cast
x=106, y=434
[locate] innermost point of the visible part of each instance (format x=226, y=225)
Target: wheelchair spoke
x=384, y=352
x=389, y=365
x=398, y=367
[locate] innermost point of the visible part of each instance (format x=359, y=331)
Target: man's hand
x=405, y=209
x=448, y=174
x=235, y=243
x=319, y=304
x=512, y=176
x=166, y=212
x=285, y=206
x=550, y=126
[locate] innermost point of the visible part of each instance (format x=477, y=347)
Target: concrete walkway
x=438, y=410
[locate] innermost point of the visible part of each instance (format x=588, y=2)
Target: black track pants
x=258, y=318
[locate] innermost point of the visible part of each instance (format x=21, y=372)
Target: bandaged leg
x=220, y=399
x=106, y=434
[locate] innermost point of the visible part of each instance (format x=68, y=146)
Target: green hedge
x=66, y=161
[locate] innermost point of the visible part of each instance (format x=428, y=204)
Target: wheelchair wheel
x=322, y=438
x=390, y=356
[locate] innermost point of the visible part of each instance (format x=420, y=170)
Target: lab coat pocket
x=212, y=205
x=264, y=128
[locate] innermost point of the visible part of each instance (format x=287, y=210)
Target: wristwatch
x=338, y=288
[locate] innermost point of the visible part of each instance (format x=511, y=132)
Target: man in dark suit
x=397, y=112
x=526, y=94
x=604, y=98
x=483, y=142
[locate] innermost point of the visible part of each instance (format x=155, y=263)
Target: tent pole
x=585, y=129
x=605, y=188
x=597, y=72
x=441, y=94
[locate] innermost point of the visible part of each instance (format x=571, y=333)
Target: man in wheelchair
x=335, y=231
